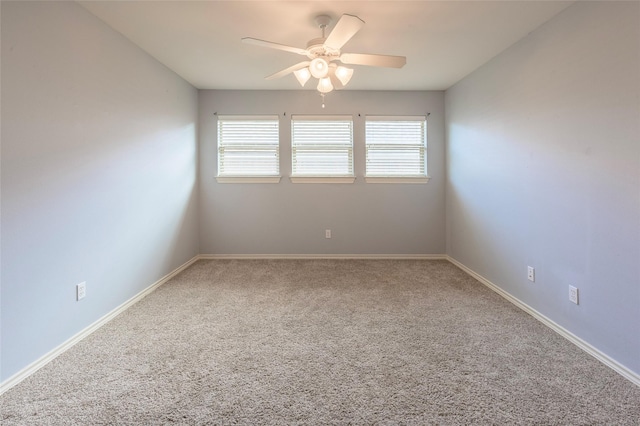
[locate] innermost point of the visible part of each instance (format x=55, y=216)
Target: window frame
x=397, y=178
x=247, y=177
x=297, y=177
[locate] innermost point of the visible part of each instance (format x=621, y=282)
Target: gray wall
x=288, y=218
x=98, y=174
x=544, y=170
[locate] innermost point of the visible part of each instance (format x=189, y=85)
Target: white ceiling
x=442, y=40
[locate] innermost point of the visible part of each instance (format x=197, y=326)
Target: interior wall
x=98, y=174
x=287, y=218
x=544, y=170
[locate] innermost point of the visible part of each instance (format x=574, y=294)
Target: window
x=248, y=149
x=322, y=147
x=396, y=149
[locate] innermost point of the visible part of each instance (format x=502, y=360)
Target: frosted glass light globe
x=319, y=68
x=303, y=75
x=324, y=85
x=344, y=74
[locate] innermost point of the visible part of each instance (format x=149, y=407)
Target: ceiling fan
x=326, y=58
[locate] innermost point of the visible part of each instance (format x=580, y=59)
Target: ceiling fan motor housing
x=317, y=49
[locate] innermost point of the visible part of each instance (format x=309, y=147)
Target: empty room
x=310, y=212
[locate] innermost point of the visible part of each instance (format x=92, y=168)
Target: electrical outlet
x=327, y=233
x=573, y=294
x=531, y=274
x=81, y=290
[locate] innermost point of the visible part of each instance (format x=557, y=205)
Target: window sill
x=248, y=179
x=322, y=179
x=399, y=179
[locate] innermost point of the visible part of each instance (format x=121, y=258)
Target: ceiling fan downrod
x=323, y=21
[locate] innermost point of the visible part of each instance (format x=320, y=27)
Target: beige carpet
x=323, y=342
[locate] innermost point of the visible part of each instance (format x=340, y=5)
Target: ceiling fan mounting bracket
x=323, y=21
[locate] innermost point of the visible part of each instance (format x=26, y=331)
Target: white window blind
x=248, y=146
x=396, y=146
x=322, y=145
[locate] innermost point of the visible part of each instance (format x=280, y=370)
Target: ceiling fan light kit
x=324, y=54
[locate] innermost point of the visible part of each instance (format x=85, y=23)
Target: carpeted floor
x=323, y=342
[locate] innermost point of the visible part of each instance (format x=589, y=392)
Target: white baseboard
x=594, y=352
x=326, y=256
x=44, y=360
x=41, y=362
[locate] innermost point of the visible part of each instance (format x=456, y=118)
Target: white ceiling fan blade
x=346, y=28
x=289, y=70
x=272, y=45
x=373, y=60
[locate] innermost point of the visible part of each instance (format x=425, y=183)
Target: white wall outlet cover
x=531, y=273
x=573, y=294
x=327, y=233
x=81, y=291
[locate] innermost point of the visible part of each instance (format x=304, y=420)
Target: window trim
x=398, y=179
x=322, y=179
x=247, y=178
